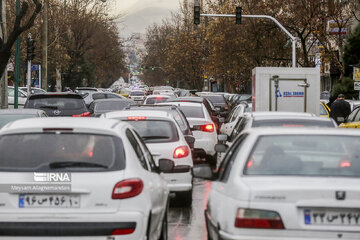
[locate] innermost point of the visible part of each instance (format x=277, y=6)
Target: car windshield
x=111, y=106
x=305, y=155
x=137, y=93
x=192, y=111
x=292, y=123
x=59, y=103
x=156, y=131
x=48, y=151
x=5, y=119
x=215, y=99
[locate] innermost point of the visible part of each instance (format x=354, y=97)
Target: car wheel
x=164, y=228
x=185, y=197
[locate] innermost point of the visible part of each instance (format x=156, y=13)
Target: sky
x=139, y=14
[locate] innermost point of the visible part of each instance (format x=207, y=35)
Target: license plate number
x=49, y=201
x=332, y=217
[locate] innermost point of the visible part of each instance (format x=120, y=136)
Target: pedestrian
x=331, y=100
x=340, y=109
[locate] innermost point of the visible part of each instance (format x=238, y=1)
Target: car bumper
x=207, y=144
x=179, y=182
x=71, y=226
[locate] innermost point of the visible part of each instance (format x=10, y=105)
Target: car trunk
x=91, y=192
x=310, y=203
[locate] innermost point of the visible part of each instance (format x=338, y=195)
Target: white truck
x=286, y=89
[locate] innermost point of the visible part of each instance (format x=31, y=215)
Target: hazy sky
x=139, y=14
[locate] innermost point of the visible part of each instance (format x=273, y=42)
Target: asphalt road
x=188, y=223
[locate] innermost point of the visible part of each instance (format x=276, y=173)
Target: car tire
x=185, y=197
x=164, y=228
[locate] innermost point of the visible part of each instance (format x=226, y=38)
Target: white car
x=153, y=99
x=83, y=178
x=202, y=126
x=286, y=184
x=137, y=96
x=22, y=96
x=164, y=138
x=233, y=118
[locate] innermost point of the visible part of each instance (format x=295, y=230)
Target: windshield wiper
x=76, y=164
x=50, y=107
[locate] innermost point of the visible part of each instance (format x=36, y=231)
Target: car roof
x=144, y=113
x=160, y=96
x=21, y=111
x=301, y=131
x=188, y=99
x=85, y=125
x=86, y=88
x=179, y=103
x=112, y=100
x=276, y=115
x=55, y=94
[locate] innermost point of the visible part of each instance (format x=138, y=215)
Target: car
x=10, y=115
x=153, y=99
x=137, y=96
x=86, y=89
x=100, y=106
x=89, y=97
x=353, y=120
x=353, y=103
x=59, y=104
x=234, y=116
x=219, y=102
x=175, y=111
x=274, y=119
x=324, y=110
x=125, y=92
x=214, y=114
x=286, y=184
x=164, y=139
x=22, y=96
x=203, y=129
x=92, y=179
x=33, y=90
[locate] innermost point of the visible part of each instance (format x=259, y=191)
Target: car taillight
x=207, y=128
x=181, y=152
x=136, y=118
x=226, y=108
x=85, y=114
x=159, y=97
x=251, y=218
x=127, y=188
x=124, y=231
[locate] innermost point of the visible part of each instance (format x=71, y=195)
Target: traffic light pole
x=292, y=38
x=28, y=75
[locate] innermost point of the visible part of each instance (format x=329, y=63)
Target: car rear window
x=59, y=103
x=5, y=119
x=137, y=93
x=156, y=131
x=56, y=152
x=305, y=155
x=192, y=111
x=111, y=106
x=216, y=99
x=154, y=100
x=292, y=123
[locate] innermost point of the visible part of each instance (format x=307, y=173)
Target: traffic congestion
x=141, y=166
x=179, y=120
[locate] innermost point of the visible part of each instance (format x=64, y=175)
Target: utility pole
x=29, y=57
x=44, y=46
x=3, y=80
x=17, y=62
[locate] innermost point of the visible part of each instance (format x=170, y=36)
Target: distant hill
x=140, y=20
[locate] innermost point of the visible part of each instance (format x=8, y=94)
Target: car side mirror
x=166, y=165
x=221, y=120
x=222, y=137
x=190, y=140
x=221, y=148
x=203, y=171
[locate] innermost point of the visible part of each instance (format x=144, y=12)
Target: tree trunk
x=4, y=56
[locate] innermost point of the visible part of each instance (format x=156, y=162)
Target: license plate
x=332, y=217
x=49, y=201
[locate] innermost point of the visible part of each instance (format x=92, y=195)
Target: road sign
x=356, y=74
x=357, y=86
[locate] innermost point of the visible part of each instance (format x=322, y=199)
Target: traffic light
x=30, y=49
x=238, y=15
x=196, y=15
x=153, y=68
